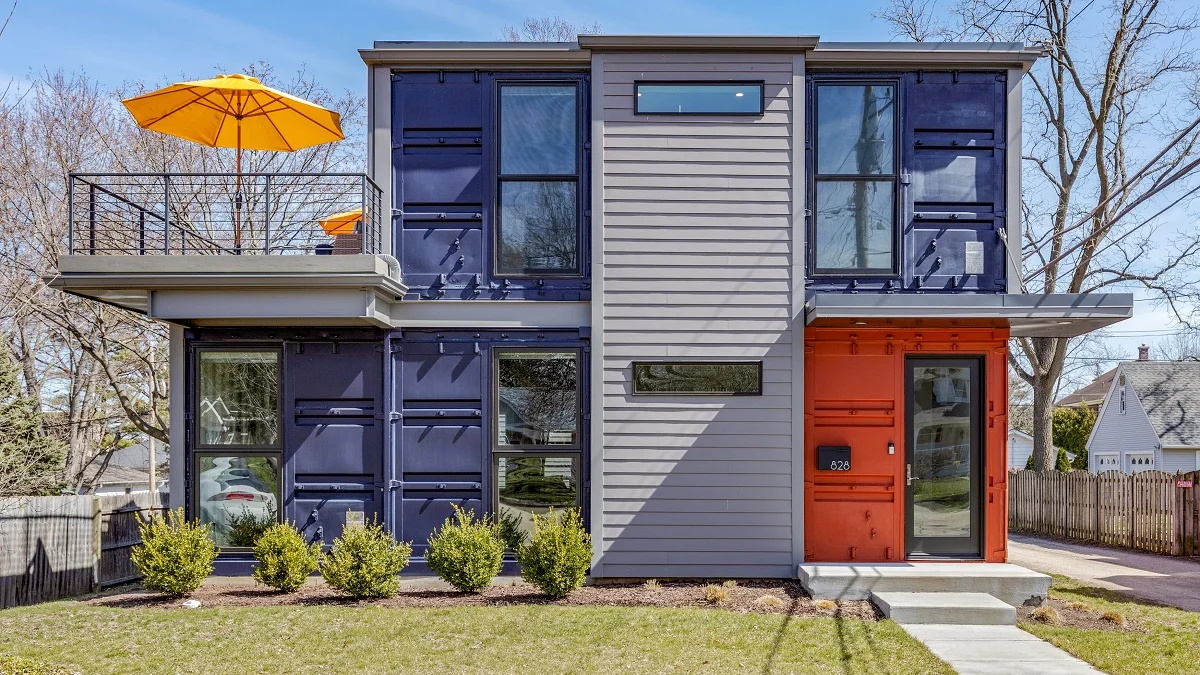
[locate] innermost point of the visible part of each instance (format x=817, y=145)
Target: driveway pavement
x=1162, y=579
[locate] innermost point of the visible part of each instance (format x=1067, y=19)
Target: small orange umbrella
x=342, y=223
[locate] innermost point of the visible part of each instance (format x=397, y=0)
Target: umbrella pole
x=237, y=198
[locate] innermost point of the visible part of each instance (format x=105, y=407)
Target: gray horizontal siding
x=1121, y=433
x=696, y=264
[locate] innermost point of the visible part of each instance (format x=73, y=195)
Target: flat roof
x=818, y=53
x=1032, y=315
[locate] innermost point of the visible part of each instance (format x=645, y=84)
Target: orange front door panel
x=854, y=396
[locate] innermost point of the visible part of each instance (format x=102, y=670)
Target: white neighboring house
x=1020, y=447
x=1150, y=419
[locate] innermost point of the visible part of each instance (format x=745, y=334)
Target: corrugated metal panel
x=697, y=253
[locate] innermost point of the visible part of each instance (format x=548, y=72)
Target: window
x=696, y=378
x=534, y=483
x=698, y=98
x=238, y=399
x=537, y=398
x=237, y=461
x=1140, y=462
x=855, y=182
x=538, y=225
x=1121, y=399
x=538, y=446
x=237, y=495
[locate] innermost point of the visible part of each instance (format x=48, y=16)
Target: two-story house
x=745, y=301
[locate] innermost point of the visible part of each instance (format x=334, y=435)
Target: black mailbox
x=833, y=457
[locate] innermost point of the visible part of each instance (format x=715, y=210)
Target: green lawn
x=1169, y=642
x=509, y=639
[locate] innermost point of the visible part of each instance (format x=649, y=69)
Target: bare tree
x=1099, y=175
x=97, y=370
x=1181, y=346
x=548, y=29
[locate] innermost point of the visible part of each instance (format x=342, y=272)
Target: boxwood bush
x=175, y=555
x=557, y=558
x=284, y=559
x=365, y=562
x=466, y=553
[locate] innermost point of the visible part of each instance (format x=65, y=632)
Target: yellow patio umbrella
x=342, y=223
x=236, y=111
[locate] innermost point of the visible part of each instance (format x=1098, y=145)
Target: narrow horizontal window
x=699, y=98
x=730, y=378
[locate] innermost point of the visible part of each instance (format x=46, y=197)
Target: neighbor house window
x=698, y=98
x=538, y=226
x=730, y=378
x=537, y=452
x=855, y=181
x=238, y=452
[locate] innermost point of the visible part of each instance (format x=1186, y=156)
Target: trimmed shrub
x=365, y=562
x=466, y=553
x=556, y=560
x=245, y=527
x=175, y=555
x=15, y=665
x=284, y=559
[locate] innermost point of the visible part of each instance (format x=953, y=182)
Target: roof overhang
x=937, y=55
x=240, y=290
x=441, y=55
x=698, y=43
x=1049, y=315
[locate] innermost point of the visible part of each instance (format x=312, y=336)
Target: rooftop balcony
x=229, y=249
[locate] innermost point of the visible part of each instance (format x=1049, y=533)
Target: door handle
x=908, y=474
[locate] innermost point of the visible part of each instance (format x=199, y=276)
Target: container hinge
x=906, y=179
x=394, y=484
x=394, y=417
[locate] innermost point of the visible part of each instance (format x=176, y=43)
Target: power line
x=1085, y=7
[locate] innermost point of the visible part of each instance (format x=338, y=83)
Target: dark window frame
x=894, y=178
x=198, y=445
x=578, y=177
x=577, y=476
x=762, y=96
x=635, y=364
x=194, y=500
x=494, y=424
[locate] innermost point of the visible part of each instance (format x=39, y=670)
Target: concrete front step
x=973, y=609
x=1013, y=584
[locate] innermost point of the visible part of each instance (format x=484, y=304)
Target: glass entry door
x=944, y=462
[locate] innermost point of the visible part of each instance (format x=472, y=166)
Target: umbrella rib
x=277, y=99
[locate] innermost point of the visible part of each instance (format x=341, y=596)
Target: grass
x=1169, y=642
x=506, y=639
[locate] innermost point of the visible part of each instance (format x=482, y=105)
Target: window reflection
x=239, y=398
x=537, y=129
x=529, y=485
x=855, y=130
x=538, y=398
x=941, y=422
x=238, y=496
x=714, y=99
x=538, y=227
x=854, y=225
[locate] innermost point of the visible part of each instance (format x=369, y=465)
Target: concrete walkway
x=996, y=650
x=1161, y=579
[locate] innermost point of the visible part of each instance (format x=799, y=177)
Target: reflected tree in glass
x=239, y=398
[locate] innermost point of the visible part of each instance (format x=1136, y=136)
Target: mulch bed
x=1078, y=615
x=746, y=597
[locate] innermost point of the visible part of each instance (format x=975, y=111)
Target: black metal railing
x=221, y=213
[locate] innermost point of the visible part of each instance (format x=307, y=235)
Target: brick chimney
x=1144, y=353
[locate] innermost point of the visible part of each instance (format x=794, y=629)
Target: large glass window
x=537, y=398
x=238, y=398
x=538, y=222
x=237, y=496
x=699, y=98
x=855, y=180
x=527, y=484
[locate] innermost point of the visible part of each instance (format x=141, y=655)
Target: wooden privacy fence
x=56, y=547
x=1152, y=510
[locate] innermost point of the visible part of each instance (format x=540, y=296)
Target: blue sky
x=155, y=40
x=160, y=41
